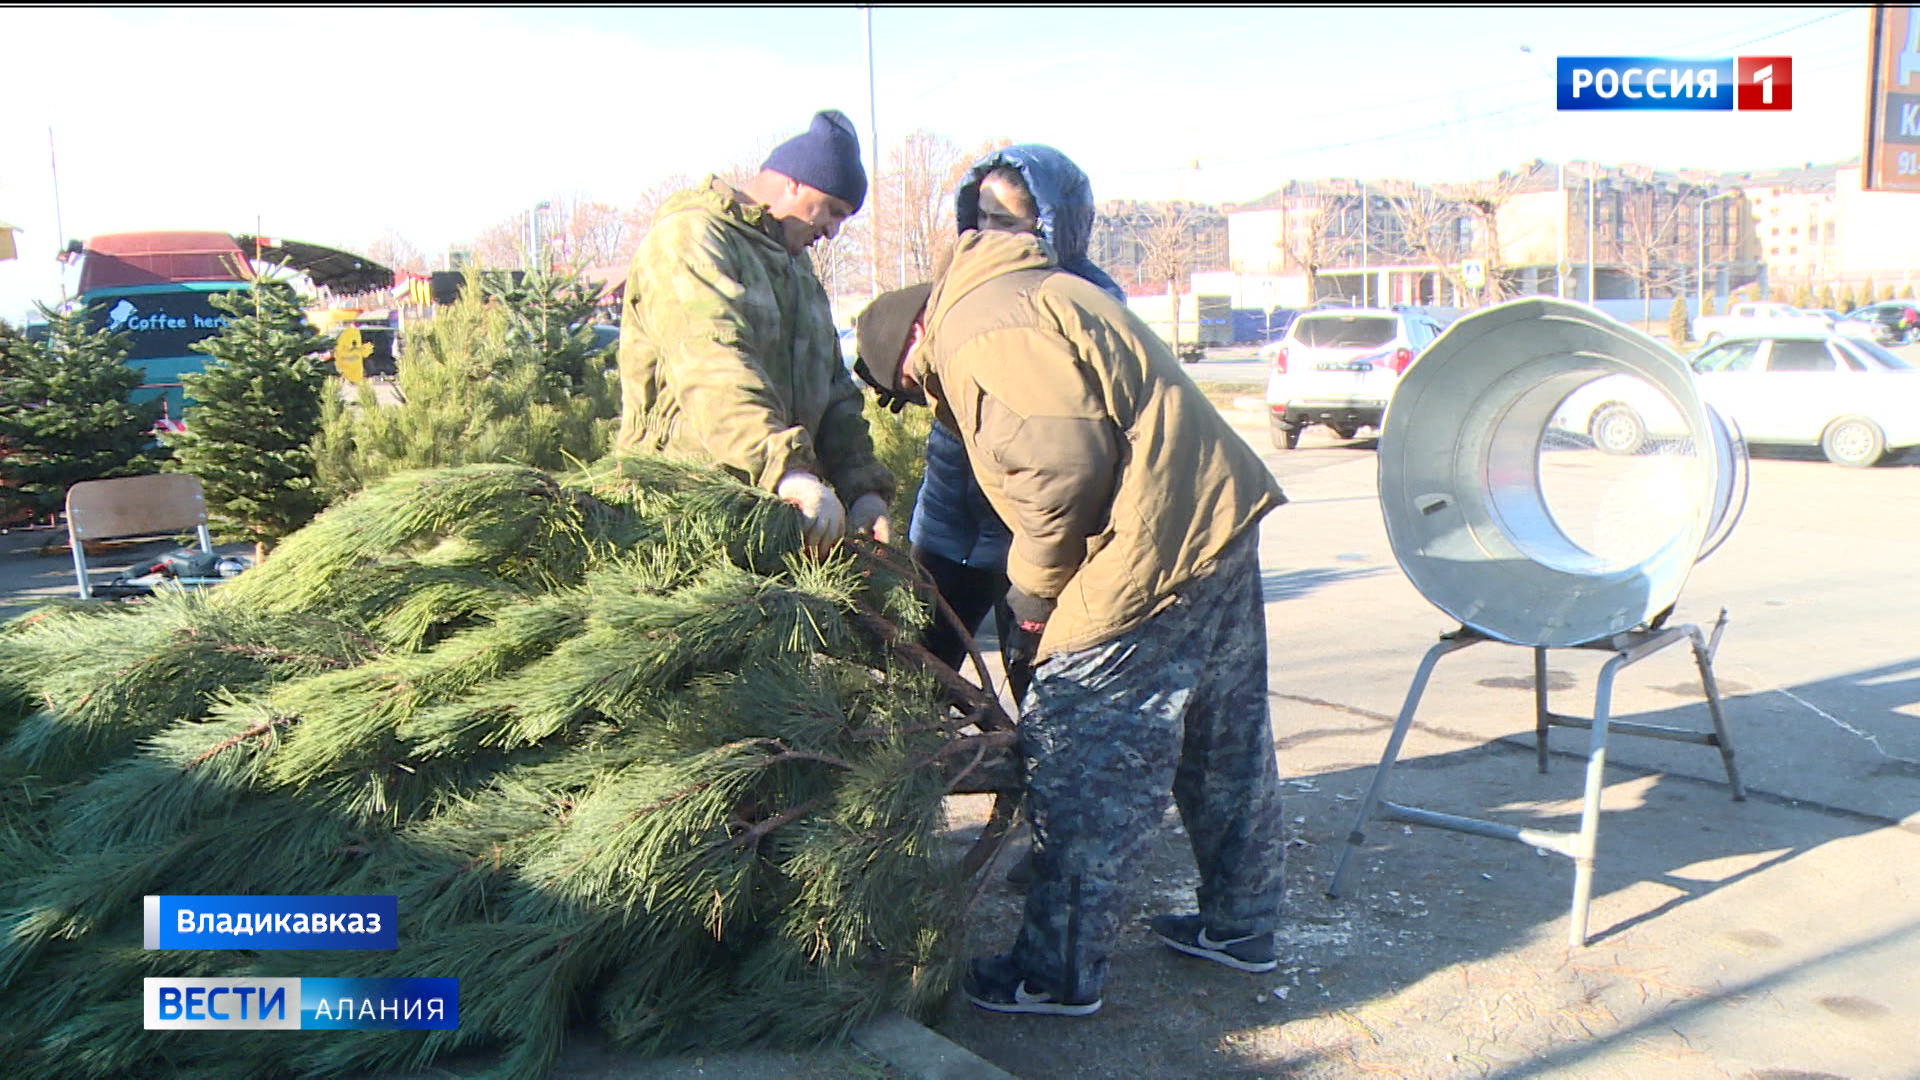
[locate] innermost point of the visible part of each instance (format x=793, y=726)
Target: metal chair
x=133, y=506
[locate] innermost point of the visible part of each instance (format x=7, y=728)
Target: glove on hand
x=1031, y=612
x=826, y=519
x=868, y=517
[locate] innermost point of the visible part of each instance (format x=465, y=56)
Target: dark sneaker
x=994, y=983
x=1242, y=952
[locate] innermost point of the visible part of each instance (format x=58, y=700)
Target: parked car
x=1883, y=322
x=1757, y=319
x=1853, y=399
x=1338, y=366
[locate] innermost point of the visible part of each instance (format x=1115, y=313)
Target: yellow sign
x=350, y=354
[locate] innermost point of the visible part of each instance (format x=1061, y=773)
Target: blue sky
x=335, y=126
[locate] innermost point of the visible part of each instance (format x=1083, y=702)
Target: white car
x=1853, y=399
x=1338, y=366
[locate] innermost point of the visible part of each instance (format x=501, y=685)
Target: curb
x=923, y=1053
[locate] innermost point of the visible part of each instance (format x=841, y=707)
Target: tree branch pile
x=624, y=755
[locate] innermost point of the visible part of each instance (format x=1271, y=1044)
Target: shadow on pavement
x=1720, y=930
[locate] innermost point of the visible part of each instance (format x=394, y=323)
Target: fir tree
x=1829, y=300
x=550, y=311
x=624, y=755
x=1677, y=331
x=255, y=414
x=64, y=413
x=476, y=384
x=1803, y=297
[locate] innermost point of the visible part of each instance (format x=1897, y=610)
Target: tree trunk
x=1173, y=296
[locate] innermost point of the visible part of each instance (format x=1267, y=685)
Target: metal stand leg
x=1703, y=658
x=1447, y=644
x=1583, y=846
x=1540, y=713
x=1587, y=844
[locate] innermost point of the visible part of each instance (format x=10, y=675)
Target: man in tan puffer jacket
x=1135, y=561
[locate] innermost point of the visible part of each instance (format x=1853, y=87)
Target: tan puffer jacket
x=1121, y=481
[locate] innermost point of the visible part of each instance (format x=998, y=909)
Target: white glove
x=826, y=519
x=868, y=517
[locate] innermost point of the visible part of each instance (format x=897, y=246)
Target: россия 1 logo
x=1747, y=83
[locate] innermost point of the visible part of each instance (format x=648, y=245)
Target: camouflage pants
x=1177, y=704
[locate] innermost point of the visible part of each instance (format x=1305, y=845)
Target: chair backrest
x=135, y=506
x=132, y=506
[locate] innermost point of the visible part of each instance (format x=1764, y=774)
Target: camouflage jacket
x=728, y=351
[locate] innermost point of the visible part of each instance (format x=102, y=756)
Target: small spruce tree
x=1827, y=297
x=1677, y=331
x=256, y=411
x=64, y=413
x=1709, y=305
x=1849, y=300
x=1803, y=297
x=484, y=381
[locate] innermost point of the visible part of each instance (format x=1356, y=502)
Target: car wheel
x=1617, y=429
x=1278, y=432
x=1854, y=442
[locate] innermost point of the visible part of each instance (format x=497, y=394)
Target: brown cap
x=880, y=335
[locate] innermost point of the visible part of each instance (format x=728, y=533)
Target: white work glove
x=868, y=517
x=826, y=519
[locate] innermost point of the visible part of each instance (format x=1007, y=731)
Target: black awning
x=330, y=268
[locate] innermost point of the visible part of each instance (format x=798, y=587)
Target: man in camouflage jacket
x=728, y=351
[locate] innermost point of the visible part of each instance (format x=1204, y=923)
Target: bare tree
x=1648, y=238
x=1449, y=225
x=1310, y=237
x=638, y=217
x=502, y=244
x=911, y=208
x=393, y=251
x=1169, y=237
x=841, y=263
x=577, y=233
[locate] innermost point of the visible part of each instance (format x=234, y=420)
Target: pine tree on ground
x=625, y=756
x=64, y=413
x=255, y=412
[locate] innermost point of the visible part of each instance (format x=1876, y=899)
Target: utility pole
x=1364, y=272
x=59, y=225
x=873, y=141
